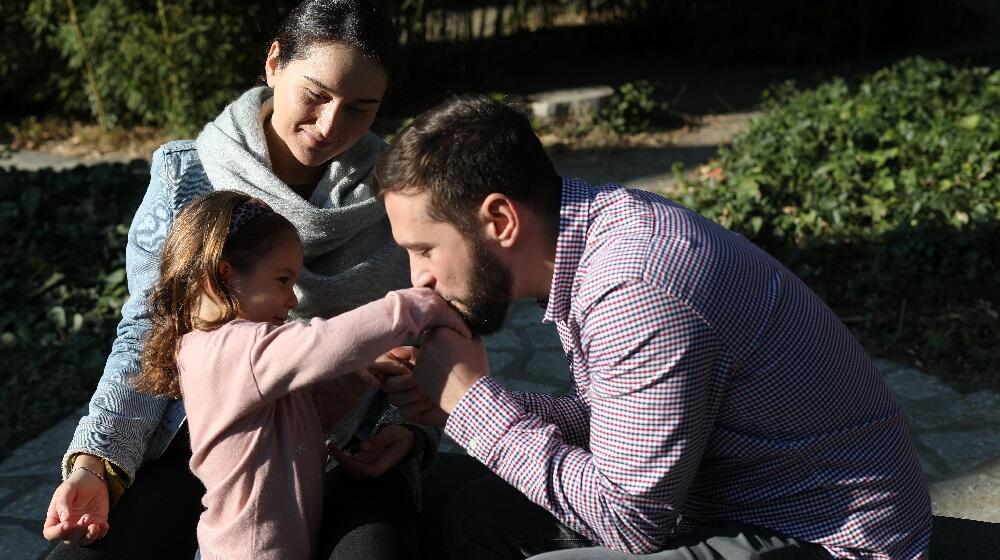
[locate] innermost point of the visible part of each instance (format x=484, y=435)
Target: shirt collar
x=574, y=219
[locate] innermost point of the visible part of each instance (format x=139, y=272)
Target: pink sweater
x=259, y=399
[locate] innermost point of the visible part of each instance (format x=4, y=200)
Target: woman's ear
x=271, y=63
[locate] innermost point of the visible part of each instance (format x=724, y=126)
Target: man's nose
x=421, y=277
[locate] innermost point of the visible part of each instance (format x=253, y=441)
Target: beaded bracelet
x=83, y=468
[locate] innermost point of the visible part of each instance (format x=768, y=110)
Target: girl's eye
x=356, y=109
x=284, y=280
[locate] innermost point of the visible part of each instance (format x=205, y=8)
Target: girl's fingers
x=369, y=378
x=399, y=383
x=391, y=368
x=406, y=354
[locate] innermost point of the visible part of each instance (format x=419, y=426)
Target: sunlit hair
x=462, y=151
x=362, y=24
x=198, y=242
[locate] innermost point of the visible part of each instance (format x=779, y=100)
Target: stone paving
x=957, y=436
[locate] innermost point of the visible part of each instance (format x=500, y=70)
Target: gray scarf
x=350, y=257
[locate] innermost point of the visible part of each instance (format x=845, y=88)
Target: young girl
x=261, y=393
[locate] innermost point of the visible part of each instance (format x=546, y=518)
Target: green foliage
x=174, y=64
x=916, y=143
x=635, y=107
x=62, y=284
x=884, y=196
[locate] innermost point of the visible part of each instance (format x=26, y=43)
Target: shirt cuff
x=484, y=414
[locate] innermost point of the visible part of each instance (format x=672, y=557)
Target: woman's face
x=323, y=103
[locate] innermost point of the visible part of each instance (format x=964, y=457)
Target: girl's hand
x=398, y=361
x=375, y=456
x=78, y=511
x=435, y=311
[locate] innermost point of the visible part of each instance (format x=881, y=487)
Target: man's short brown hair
x=462, y=151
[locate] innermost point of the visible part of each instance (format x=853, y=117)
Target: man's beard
x=491, y=284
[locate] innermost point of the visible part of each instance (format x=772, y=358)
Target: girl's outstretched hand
x=398, y=361
x=375, y=456
x=78, y=511
x=435, y=310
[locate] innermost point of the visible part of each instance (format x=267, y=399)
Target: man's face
x=460, y=269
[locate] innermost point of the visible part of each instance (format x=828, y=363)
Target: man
x=721, y=410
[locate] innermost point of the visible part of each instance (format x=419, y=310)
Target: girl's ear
x=225, y=271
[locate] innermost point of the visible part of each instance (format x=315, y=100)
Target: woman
x=302, y=144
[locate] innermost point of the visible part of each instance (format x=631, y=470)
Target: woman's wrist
x=88, y=461
x=91, y=472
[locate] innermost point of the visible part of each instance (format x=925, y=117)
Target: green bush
x=884, y=196
x=172, y=64
x=635, y=107
x=62, y=284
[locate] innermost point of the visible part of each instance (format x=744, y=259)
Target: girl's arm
x=292, y=356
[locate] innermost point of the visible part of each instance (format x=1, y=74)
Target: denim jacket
x=130, y=428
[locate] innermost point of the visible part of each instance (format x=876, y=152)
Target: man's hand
x=78, y=511
x=375, y=456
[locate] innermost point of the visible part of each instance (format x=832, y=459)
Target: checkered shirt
x=711, y=385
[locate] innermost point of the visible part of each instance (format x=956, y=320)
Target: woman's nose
x=326, y=123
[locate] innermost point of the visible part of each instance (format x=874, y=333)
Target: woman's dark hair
x=462, y=151
x=362, y=24
x=189, y=268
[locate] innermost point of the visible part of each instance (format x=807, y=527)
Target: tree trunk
x=88, y=67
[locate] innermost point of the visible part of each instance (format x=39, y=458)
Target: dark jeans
x=157, y=516
x=489, y=519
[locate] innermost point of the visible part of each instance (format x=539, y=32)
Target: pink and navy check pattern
x=710, y=385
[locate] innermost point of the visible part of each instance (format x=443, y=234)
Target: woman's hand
x=375, y=456
x=78, y=511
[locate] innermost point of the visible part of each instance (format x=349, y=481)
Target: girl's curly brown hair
x=189, y=268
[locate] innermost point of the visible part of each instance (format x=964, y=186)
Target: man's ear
x=271, y=63
x=500, y=219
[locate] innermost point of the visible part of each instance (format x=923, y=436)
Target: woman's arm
x=120, y=419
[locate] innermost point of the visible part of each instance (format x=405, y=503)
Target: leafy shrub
x=62, y=284
x=633, y=108
x=882, y=196
x=173, y=64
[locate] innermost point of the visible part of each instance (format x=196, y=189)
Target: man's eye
x=313, y=95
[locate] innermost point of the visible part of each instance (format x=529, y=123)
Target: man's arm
x=654, y=367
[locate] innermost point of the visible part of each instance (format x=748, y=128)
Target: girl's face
x=323, y=103
x=265, y=292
